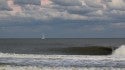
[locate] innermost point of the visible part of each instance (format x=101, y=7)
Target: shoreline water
x=56, y=68
x=43, y=61
x=64, y=60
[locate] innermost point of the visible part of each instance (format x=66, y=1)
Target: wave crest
x=120, y=51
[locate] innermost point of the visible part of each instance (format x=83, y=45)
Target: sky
x=62, y=18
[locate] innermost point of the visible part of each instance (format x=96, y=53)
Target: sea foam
x=120, y=52
x=56, y=68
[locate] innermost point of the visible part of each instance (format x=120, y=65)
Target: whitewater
x=116, y=61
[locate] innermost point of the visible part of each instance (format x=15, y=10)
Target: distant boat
x=43, y=36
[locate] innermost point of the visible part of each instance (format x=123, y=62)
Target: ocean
x=62, y=54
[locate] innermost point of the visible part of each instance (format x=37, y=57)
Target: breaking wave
x=117, y=52
x=89, y=62
x=120, y=52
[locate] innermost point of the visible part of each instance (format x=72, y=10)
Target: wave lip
x=120, y=52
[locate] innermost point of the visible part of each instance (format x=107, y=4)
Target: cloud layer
x=65, y=9
x=94, y=16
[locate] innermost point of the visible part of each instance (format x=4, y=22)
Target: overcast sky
x=62, y=18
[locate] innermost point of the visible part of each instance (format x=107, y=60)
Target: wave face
x=60, y=46
x=120, y=52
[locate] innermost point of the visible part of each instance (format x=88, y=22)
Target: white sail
x=43, y=36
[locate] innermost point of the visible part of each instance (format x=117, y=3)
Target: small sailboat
x=43, y=36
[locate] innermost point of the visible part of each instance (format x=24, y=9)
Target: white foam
x=57, y=68
x=120, y=52
x=7, y=67
x=75, y=57
x=60, y=60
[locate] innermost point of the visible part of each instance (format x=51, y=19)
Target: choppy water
x=35, y=54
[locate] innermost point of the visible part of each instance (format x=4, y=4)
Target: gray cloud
x=118, y=25
x=82, y=10
x=31, y=2
x=69, y=9
x=116, y=4
x=94, y=3
x=68, y=2
x=4, y=5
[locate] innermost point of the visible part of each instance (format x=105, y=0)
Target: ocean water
x=62, y=54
